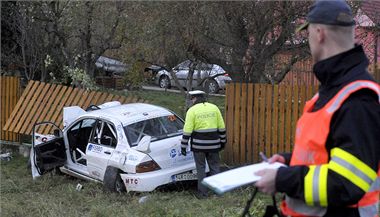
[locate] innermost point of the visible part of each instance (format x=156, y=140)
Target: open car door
x=48, y=148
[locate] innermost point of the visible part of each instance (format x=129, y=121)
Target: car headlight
x=147, y=166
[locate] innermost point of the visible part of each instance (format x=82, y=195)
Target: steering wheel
x=92, y=108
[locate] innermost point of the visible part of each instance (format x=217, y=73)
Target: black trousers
x=200, y=163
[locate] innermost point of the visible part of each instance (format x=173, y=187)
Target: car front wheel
x=112, y=180
x=164, y=82
x=212, y=86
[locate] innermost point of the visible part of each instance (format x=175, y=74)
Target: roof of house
x=372, y=10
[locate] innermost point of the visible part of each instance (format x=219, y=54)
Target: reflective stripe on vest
x=349, y=89
x=353, y=169
x=370, y=206
x=376, y=185
x=296, y=207
x=315, y=187
x=369, y=210
x=310, y=150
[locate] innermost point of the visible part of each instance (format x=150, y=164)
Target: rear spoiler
x=70, y=114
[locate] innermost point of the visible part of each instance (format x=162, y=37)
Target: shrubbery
x=134, y=78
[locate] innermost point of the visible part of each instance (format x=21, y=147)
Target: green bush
x=134, y=78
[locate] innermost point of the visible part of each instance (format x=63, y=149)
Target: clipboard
x=231, y=179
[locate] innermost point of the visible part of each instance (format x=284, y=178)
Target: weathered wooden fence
x=44, y=102
x=261, y=117
x=10, y=93
x=115, y=82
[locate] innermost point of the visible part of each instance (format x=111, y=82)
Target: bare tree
x=242, y=37
x=22, y=41
x=83, y=30
x=249, y=34
x=69, y=33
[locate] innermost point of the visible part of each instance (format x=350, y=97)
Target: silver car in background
x=210, y=77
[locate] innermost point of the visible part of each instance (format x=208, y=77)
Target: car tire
x=212, y=86
x=112, y=180
x=164, y=82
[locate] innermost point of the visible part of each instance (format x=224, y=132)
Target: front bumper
x=151, y=180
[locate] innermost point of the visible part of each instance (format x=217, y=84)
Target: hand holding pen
x=263, y=157
x=267, y=182
x=274, y=158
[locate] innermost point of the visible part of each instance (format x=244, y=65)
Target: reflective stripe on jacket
x=205, y=126
x=311, y=135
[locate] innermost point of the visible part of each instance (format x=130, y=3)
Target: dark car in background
x=111, y=66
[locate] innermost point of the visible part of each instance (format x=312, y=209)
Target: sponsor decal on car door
x=97, y=159
x=100, y=148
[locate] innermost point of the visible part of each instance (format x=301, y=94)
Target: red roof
x=372, y=10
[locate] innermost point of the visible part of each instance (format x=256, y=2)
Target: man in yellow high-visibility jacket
x=204, y=127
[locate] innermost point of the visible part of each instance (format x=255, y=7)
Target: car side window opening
x=104, y=134
x=183, y=66
x=204, y=67
x=200, y=66
x=78, y=136
x=158, y=128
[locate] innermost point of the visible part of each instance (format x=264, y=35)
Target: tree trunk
x=87, y=40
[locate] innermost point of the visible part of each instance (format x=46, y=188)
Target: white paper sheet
x=231, y=179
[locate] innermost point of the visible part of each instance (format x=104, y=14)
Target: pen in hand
x=262, y=155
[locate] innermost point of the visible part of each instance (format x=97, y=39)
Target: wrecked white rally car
x=133, y=147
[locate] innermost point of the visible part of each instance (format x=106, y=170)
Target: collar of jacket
x=197, y=101
x=336, y=70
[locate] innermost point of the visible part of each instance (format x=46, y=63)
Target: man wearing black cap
x=334, y=167
x=205, y=128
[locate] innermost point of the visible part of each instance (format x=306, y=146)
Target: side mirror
x=144, y=144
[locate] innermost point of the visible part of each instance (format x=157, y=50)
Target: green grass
x=56, y=195
x=173, y=101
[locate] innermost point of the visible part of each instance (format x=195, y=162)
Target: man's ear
x=321, y=34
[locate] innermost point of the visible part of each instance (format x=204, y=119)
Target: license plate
x=185, y=176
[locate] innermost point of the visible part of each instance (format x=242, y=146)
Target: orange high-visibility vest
x=311, y=134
